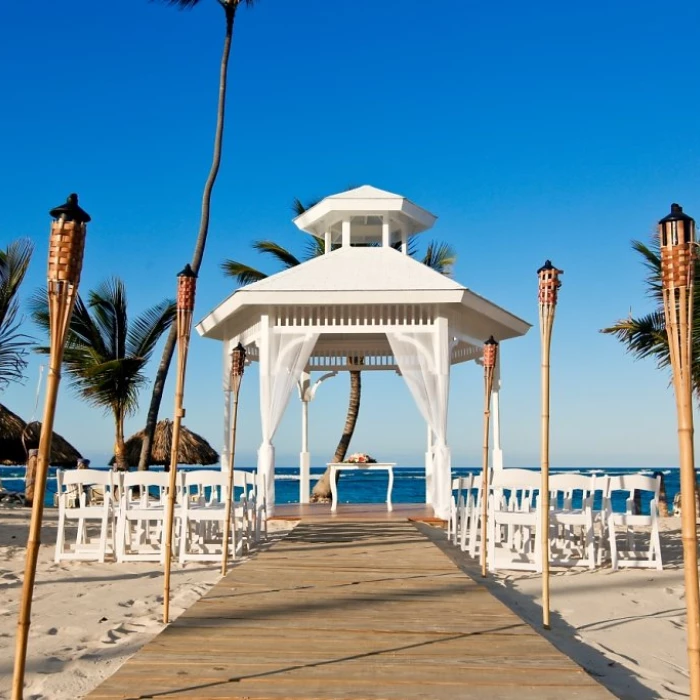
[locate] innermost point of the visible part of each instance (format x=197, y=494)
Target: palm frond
x=280, y=253
x=14, y=344
x=181, y=4
x=14, y=348
x=314, y=247
x=109, y=314
x=652, y=262
x=440, y=257
x=643, y=337
x=146, y=330
x=299, y=208
x=242, y=273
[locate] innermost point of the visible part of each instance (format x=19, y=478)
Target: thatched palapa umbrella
x=193, y=449
x=18, y=437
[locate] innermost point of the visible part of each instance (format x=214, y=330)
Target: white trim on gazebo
x=365, y=308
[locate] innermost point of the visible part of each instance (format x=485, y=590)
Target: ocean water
x=370, y=487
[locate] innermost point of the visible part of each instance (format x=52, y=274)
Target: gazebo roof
x=365, y=204
x=360, y=276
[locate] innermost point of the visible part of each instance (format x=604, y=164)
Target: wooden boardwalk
x=349, y=610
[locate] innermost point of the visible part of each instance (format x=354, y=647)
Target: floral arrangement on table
x=360, y=458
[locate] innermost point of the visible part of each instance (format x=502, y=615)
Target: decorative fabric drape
x=423, y=359
x=280, y=369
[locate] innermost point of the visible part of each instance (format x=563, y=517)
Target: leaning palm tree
x=438, y=256
x=14, y=345
x=105, y=354
x=230, y=8
x=645, y=336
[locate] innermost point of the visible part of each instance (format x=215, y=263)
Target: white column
x=497, y=453
x=304, y=456
x=385, y=230
x=328, y=242
x=404, y=240
x=307, y=392
x=346, y=233
x=429, y=467
x=442, y=471
x=266, y=448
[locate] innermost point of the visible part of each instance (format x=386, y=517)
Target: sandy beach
x=87, y=617
x=626, y=628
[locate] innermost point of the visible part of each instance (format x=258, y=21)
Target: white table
x=368, y=466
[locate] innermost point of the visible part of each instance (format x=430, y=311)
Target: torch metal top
x=187, y=271
x=70, y=211
x=676, y=214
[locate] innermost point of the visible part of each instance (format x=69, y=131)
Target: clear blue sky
x=533, y=130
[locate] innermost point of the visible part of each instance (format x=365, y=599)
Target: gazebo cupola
x=363, y=216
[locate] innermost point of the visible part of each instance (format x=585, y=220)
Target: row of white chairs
x=123, y=515
x=584, y=530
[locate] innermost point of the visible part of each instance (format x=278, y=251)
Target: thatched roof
x=18, y=437
x=193, y=449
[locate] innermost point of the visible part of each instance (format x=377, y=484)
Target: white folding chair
x=637, y=548
x=571, y=524
x=513, y=522
x=461, y=486
x=203, y=515
x=74, y=506
x=142, y=513
x=257, y=504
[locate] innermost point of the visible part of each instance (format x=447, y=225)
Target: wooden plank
x=349, y=610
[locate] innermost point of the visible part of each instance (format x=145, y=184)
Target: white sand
x=87, y=618
x=627, y=628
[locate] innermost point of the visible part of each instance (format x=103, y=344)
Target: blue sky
x=532, y=130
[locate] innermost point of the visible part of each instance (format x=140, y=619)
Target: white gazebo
x=364, y=305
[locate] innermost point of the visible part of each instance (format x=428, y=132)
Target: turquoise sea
x=370, y=487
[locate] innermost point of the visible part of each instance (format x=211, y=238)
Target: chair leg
x=101, y=552
x=613, y=544
x=60, y=535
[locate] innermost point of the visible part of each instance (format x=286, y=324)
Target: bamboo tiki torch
x=549, y=284
x=186, y=287
x=237, y=368
x=66, y=247
x=490, y=354
x=677, y=243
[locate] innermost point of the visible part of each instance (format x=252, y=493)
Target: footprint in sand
x=126, y=603
x=116, y=635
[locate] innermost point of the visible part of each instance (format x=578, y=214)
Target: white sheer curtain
x=280, y=368
x=423, y=359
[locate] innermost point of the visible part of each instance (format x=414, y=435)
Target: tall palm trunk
x=120, y=463
x=322, y=489
x=168, y=350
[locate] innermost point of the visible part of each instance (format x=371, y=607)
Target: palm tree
x=438, y=256
x=105, y=354
x=646, y=336
x=229, y=7
x=14, y=345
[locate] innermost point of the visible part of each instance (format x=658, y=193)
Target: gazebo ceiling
x=364, y=205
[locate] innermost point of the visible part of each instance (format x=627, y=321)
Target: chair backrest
x=146, y=483
x=515, y=479
x=85, y=477
x=196, y=483
x=74, y=487
x=631, y=483
x=563, y=486
x=521, y=485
